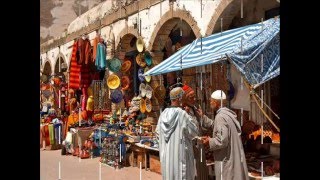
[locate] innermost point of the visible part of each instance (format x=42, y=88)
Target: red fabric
x=85, y=76
x=84, y=51
x=74, y=79
x=84, y=99
x=87, y=51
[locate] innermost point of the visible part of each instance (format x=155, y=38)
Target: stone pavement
x=71, y=168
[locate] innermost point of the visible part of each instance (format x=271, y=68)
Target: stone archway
x=62, y=60
x=47, y=68
x=226, y=10
x=125, y=36
x=178, y=14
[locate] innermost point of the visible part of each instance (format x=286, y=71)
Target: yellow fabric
x=90, y=91
x=90, y=105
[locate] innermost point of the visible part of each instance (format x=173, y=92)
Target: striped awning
x=207, y=50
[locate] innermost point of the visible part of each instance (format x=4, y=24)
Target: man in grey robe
x=175, y=131
x=229, y=157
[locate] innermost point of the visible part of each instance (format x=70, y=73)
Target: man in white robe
x=175, y=131
x=229, y=157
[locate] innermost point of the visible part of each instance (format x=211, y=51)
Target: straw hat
x=148, y=105
x=148, y=58
x=140, y=44
x=160, y=93
x=125, y=66
x=56, y=81
x=142, y=90
x=116, y=96
x=114, y=64
x=147, y=78
x=140, y=60
x=43, y=78
x=45, y=86
x=125, y=82
x=142, y=105
x=148, y=91
x=113, y=81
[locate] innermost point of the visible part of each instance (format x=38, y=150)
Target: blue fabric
x=101, y=61
x=259, y=60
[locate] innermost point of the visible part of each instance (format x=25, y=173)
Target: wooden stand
x=155, y=165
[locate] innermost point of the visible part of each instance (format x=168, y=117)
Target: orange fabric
x=95, y=45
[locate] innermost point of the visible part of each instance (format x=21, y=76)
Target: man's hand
x=205, y=140
x=199, y=111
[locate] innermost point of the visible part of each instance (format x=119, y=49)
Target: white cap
x=218, y=94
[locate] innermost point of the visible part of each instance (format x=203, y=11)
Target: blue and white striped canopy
x=214, y=48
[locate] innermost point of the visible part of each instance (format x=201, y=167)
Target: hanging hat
x=45, y=86
x=148, y=91
x=113, y=81
x=114, y=64
x=125, y=82
x=142, y=90
x=44, y=78
x=140, y=44
x=56, y=81
x=148, y=105
x=142, y=105
x=160, y=93
x=133, y=109
x=148, y=58
x=116, y=96
x=140, y=75
x=125, y=66
x=218, y=95
x=176, y=93
x=147, y=78
x=64, y=66
x=178, y=46
x=46, y=93
x=140, y=60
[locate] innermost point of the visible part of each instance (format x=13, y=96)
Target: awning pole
x=255, y=99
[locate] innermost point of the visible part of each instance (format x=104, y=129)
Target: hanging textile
x=101, y=57
x=74, y=79
x=84, y=47
x=51, y=133
x=94, y=48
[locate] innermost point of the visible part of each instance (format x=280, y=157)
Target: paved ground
x=85, y=169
